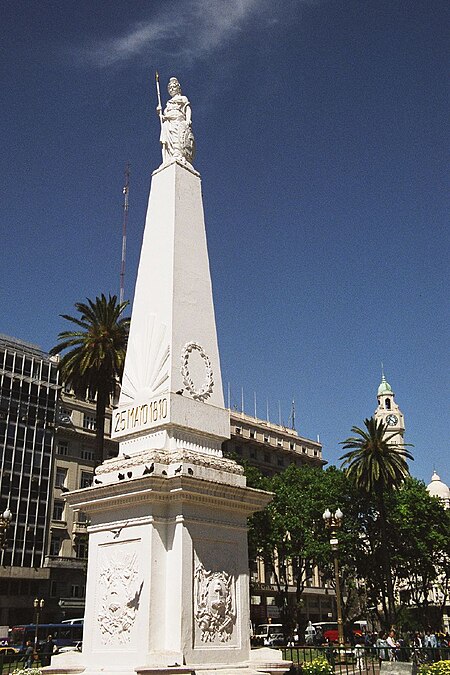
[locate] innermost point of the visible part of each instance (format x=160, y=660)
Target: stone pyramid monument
x=167, y=583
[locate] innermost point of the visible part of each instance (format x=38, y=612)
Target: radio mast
x=125, y=191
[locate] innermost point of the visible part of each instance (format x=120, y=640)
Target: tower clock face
x=392, y=420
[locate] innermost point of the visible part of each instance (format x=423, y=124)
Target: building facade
x=74, y=463
x=28, y=408
x=272, y=448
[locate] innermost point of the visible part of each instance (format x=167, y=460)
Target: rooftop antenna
x=279, y=413
x=125, y=191
x=267, y=409
x=293, y=415
x=254, y=401
x=229, y=396
x=242, y=399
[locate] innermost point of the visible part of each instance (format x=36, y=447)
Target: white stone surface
x=147, y=605
x=173, y=343
x=167, y=581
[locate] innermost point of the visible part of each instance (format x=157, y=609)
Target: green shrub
x=438, y=668
x=319, y=667
x=27, y=671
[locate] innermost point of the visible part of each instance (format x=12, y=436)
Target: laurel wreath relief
x=205, y=391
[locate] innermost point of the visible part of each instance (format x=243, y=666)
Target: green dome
x=384, y=388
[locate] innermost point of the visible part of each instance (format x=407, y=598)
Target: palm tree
x=376, y=466
x=95, y=354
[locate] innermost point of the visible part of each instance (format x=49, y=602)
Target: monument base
x=167, y=582
x=263, y=660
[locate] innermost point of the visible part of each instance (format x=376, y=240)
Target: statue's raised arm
x=177, y=139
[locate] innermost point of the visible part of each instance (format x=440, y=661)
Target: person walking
x=29, y=655
x=47, y=651
x=393, y=645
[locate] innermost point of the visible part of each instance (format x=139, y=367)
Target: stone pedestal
x=168, y=583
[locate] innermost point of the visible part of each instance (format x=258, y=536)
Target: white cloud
x=191, y=29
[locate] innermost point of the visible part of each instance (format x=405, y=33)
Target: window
x=280, y=461
x=238, y=430
x=253, y=454
x=304, y=450
x=255, y=599
x=62, y=448
x=86, y=479
x=267, y=457
x=60, y=477
x=252, y=433
x=388, y=404
x=58, y=509
x=81, y=548
x=81, y=517
x=280, y=442
x=89, y=422
x=55, y=545
x=87, y=454
x=292, y=446
x=77, y=591
x=65, y=416
x=266, y=439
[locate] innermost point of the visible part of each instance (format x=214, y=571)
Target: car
x=8, y=654
x=275, y=640
x=71, y=648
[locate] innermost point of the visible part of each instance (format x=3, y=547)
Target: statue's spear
x=159, y=108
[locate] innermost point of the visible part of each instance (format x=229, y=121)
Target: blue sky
x=321, y=129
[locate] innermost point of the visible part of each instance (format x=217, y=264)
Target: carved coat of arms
x=119, y=596
x=214, y=604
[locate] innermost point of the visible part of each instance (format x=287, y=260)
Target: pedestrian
x=393, y=645
x=359, y=654
x=381, y=647
x=29, y=654
x=47, y=651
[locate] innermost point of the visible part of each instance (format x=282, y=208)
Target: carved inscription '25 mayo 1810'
x=140, y=416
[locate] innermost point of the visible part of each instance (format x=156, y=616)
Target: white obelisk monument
x=167, y=587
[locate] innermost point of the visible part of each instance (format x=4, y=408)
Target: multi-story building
x=272, y=448
x=47, y=438
x=28, y=405
x=74, y=464
x=268, y=446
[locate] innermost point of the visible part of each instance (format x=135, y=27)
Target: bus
x=329, y=630
x=63, y=634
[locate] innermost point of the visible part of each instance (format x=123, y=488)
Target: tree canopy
x=95, y=353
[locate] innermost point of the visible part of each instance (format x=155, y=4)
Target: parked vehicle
x=264, y=634
x=328, y=631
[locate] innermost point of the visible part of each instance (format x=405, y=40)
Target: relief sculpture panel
x=118, y=594
x=214, y=604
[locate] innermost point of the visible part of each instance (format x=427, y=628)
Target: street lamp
x=38, y=606
x=333, y=522
x=5, y=522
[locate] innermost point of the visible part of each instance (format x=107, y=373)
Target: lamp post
x=38, y=606
x=333, y=522
x=5, y=522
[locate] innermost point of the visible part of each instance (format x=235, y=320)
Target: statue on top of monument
x=177, y=139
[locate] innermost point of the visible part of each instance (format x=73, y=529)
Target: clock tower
x=389, y=412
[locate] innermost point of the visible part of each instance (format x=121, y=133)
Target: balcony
x=65, y=562
x=80, y=527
